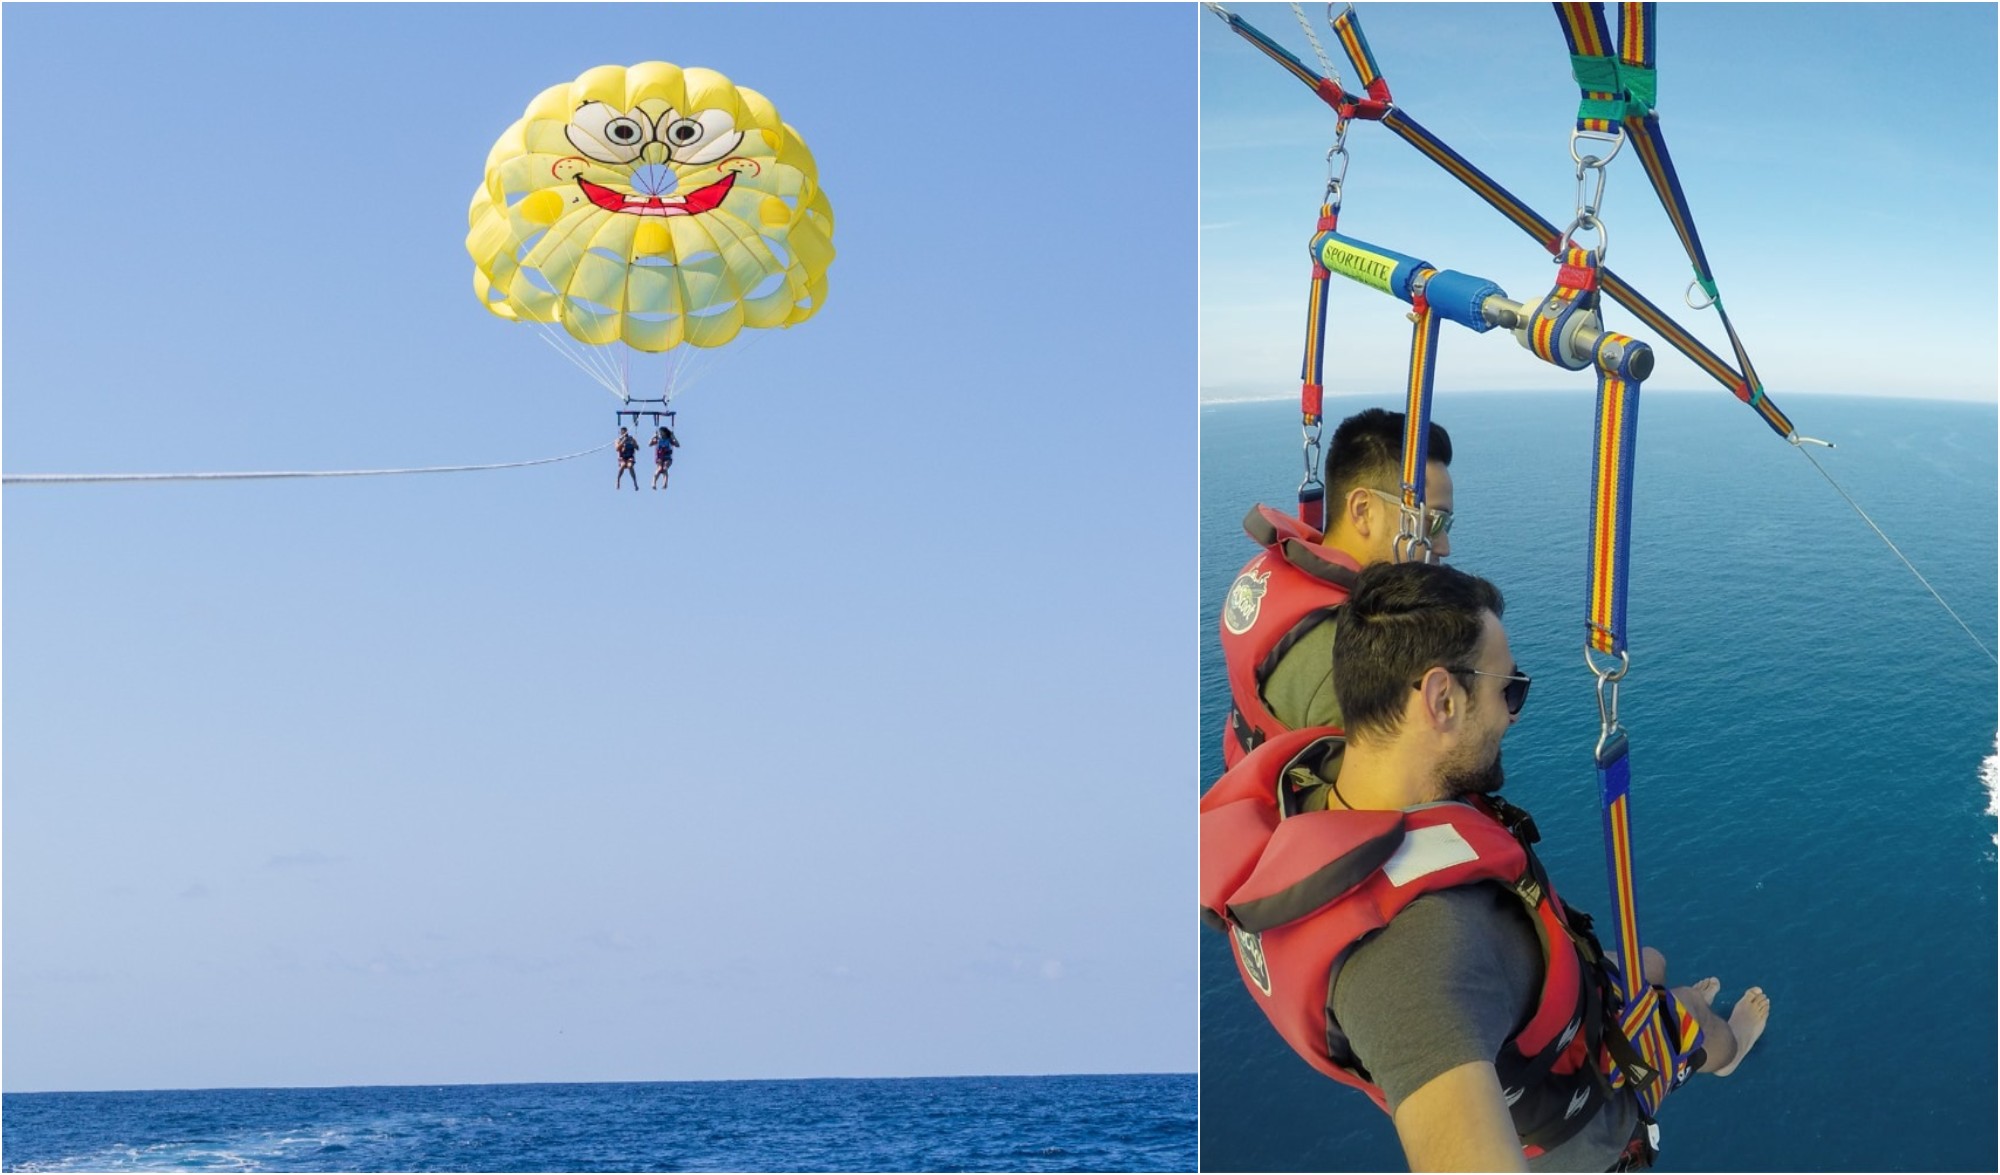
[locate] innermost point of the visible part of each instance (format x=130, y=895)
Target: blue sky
x=1837, y=158
x=863, y=751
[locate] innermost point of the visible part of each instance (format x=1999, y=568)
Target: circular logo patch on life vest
x=1246, y=596
x=1250, y=953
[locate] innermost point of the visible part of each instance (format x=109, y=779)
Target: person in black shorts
x=628, y=451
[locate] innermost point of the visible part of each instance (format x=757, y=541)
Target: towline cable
x=81, y=478
x=1899, y=554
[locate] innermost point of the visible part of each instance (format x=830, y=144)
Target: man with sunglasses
x=1388, y=916
x=1278, y=618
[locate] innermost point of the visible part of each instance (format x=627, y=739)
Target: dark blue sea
x=1808, y=732
x=1095, y=1123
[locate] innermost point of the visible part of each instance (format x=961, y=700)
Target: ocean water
x=1091, y=1123
x=1812, y=748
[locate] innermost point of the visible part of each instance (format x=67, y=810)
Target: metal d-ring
x=1615, y=138
x=1584, y=220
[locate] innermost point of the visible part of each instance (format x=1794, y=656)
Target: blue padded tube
x=1457, y=297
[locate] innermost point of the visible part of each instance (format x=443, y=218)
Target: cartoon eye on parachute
x=650, y=209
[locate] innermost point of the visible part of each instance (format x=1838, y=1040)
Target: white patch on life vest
x=1245, y=600
x=1250, y=952
x=1424, y=851
x=1576, y=1102
x=1569, y=1034
x=1514, y=1095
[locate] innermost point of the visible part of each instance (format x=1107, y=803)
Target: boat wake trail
x=1989, y=774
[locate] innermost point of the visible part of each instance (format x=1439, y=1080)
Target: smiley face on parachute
x=652, y=206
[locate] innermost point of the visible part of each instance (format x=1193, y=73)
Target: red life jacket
x=1295, y=585
x=1298, y=891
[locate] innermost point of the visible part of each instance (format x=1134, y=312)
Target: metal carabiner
x=1413, y=540
x=1335, y=177
x=1688, y=296
x=1607, y=684
x=1410, y=548
x=1596, y=200
x=1610, y=730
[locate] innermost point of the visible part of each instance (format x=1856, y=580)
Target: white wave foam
x=1989, y=774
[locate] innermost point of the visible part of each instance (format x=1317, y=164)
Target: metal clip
x=1589, y=208
x=1611, y=732
x=1336, y=176
x=1413, y=540
x=1411, y=548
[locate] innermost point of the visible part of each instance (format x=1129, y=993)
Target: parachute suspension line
x=1898, y=551
x=691, y=365
x=555, y=336
x=75, y=478
x=599, y=358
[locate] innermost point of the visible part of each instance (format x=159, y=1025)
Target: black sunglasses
x=1514, y=693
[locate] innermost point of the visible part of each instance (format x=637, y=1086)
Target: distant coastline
x=1209, y=397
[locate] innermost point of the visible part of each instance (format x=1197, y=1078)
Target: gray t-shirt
x=1445, y=984
x=1299, y=690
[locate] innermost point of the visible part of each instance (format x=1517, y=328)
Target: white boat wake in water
x=1989, y=774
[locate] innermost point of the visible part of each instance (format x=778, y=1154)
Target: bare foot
x=1746, y=1021
x=1707, y=989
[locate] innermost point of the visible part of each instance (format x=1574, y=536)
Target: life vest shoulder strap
x=1301, y=546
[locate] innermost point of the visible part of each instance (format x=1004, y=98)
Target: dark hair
x=1402, y=620
x=1367, y=452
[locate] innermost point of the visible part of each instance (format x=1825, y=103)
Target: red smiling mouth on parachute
x=698, y=201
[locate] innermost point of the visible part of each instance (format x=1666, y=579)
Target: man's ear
x=1358, y=507
x=1439, y=701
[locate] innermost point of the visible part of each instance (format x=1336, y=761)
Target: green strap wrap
x=1595, y=72
x=1642, y=89
x=1634, y=88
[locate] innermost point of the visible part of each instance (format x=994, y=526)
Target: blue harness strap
x=1663, y=1034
